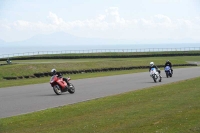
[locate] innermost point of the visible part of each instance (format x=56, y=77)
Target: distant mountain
x=74, y=42
x=65, y=39
x=61, y=41
x=58, y=38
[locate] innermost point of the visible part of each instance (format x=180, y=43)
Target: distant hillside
x=62, y=38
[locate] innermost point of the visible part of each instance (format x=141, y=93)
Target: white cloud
x=112, y=25
x=5, y=27
x=101, y=17
x=163, y=19
x=55, y=19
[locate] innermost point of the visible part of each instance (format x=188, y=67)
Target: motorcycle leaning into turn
x=155, y=75
x=60, y=86
x=168, y=71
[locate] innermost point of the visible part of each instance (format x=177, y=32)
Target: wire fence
x=100, y=51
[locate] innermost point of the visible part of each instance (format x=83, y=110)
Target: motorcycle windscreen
x=167, y=68
x=53, y=79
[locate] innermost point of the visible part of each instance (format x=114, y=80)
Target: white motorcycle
x=155, y=75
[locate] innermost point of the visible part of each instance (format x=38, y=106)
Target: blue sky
x=135, y=20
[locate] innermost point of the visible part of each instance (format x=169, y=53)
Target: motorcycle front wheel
x=154, y=78
x=57, y=90
x=167, y=74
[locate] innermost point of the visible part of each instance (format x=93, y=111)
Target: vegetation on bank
x=29, y=67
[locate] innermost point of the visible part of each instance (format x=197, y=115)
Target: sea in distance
x=4, y=49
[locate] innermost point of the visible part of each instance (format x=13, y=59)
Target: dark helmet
x=53, y=71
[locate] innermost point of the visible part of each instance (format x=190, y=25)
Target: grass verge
x=168, y=108
x=29, y=67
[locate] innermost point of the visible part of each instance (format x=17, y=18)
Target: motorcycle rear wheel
x=160, y=79
x=71, y=89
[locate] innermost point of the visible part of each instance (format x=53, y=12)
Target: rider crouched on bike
x=53, y=71
x=168, y=63
x=154, y=66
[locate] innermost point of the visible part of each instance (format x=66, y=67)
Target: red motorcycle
x=60, y=86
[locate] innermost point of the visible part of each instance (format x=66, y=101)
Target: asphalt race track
x=25, y=99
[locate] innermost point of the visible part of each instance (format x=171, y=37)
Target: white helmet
x=151, y=63
x=53, y=71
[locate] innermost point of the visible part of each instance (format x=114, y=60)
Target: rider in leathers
x=154, y=66
x=53, y=71
x=168, y=63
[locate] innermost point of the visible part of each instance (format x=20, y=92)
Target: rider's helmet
x=53, y=71
x=151, y=63
x=167, y=61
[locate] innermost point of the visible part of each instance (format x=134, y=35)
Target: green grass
x=172, y=108
x=29, y=67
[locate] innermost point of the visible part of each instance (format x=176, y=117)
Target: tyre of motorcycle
x=154, y=78
x=57, y=89
x=160, y=79
x=170, y=74
x=71, y=89
x=167, y=74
